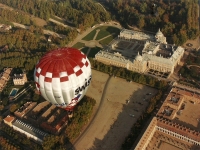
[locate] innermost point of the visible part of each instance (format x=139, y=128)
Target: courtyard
x=116, y=117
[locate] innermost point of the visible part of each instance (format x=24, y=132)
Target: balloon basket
x=70, y=113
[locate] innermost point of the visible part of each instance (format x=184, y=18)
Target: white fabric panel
x=56, y=84
x=39, y=70
x=77, y=68
x=49, y=74
x=57, y=92
x=73, y=80
x=49, y=92
x=68, y=95
x=67, y=91
x=63, y=74
x=43, y=93
x=41, y=81
x=83, y=60
x=58, y=97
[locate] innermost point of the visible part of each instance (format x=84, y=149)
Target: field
x=115, y=118
x=85, y=50
x=93, y=51
x=90, y=36
x=78, y=45
x=106, y=41
x=105, y=31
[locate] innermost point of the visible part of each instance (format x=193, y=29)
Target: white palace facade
x=140, y=52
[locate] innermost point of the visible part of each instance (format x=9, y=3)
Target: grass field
x=93, y=51
x=78, y=45
x=105, y=31
x=84, y=50
x=106, y=41
x=90, y=36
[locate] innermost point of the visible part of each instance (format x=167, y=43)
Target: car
x=132, y=115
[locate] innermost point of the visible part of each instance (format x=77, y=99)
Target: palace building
x=141, y=52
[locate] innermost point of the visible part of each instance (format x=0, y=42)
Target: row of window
x=31, y=128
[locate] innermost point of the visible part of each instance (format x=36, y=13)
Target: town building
x=19, y=79
x=29, y=130
x=9, y=120
x=141, y=52
x=176, y=123
x=4, y=77
x=19, y=76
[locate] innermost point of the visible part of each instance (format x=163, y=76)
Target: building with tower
x=19, y=76
x=141, y=52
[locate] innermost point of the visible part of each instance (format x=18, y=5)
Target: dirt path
x=94, y=117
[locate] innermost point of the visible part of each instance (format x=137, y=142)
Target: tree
x=143, y=7
x=31, y=28
x=1, y=107
x=5, y=101
x=166, y=18
x=141, y=22
x=13, y=107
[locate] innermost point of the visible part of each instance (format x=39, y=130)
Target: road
x=97, y=111
x=59, y=23
x=22, y=92
x=47, y=32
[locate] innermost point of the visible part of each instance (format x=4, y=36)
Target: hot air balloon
x=62, y=76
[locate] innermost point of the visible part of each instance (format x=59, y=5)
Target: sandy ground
x=114, y=120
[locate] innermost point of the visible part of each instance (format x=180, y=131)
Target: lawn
x=78, y=45
x=94, y=51
x=90, y=36
x=107, y=30
x=104, y=31
x=106, y=41
x=84, y=50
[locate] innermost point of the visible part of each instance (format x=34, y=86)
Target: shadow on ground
x=121, y=126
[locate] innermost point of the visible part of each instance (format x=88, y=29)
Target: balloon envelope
x=62, y=76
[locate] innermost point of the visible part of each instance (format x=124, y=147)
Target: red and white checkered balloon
x=62, y=76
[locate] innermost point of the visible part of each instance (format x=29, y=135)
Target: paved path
x=105, y=37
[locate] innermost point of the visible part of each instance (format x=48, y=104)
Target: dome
x=159, y=33
x=138, y=57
